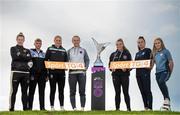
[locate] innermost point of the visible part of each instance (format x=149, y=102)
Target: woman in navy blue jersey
x=121, y=76
x=143, y=75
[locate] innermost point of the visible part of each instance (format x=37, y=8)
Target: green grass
x=89, y=113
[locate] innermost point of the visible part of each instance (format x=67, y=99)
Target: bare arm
x=171, y=65
x=152, y=63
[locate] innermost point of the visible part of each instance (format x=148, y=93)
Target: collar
x=76, y=47
x=40, y=51
x=161, y=50
x=142, y=49
x=19, y=46
x=56, y=47
x=119, y=51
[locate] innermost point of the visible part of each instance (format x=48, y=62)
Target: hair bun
x=20, y=33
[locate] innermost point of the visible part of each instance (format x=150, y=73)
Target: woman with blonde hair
x=56, y=53
x=164, y=67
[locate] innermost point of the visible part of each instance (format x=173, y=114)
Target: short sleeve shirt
x=161, y=59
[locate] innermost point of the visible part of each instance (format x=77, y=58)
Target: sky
x=104, y=20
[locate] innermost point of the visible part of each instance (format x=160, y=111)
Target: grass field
x=89, y=113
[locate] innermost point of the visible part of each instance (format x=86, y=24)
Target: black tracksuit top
x=20, y=58
x=120, y=56
x=56, y=54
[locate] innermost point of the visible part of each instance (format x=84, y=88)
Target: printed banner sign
x=130, y=64
x=64, y=65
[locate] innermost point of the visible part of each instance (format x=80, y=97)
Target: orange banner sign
x=130, y=64
x=63, y=65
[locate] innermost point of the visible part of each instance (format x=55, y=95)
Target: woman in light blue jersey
x=164, y=67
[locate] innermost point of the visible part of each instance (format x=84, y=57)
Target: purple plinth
x=97, y=69
x=98, y=88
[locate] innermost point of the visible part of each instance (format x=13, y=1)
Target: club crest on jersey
x=42, y=55
x=62, y=53
x=143, y=53
x=18, y=53
x=24, y=51
x=33, y=54
x=53, y=52
x=161, y=54
x=137, y=55
x=28, y=55
x=124, y=56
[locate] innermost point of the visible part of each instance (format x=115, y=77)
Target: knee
x=117, y=95
x=13, y=94
x=72, y=93
x=126, y=93
x=52, y=91
x=61, y=92
x=149, y=93
x=117, y=92
x=31, y=92
x=161, y=82
x=82, y=93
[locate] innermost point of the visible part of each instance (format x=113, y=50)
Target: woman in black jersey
x=121, y=76
x=143, y=75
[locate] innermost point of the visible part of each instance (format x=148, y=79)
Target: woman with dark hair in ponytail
x=143, y=75
x=121, y=76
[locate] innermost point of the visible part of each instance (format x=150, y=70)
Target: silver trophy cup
x=100, y=47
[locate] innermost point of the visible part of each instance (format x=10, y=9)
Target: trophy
x=98, y=79
x=100, y=47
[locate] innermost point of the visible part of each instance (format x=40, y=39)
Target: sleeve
x=28, y=56
x=129, y=56
x=25, y=56
x=135, y=57
x=47, y=56
x=29, y=59
x=110, y=60
x=20, y=56
x=45, y=69
x=149, y=54
x=14, y=54
x=66, y=57
x=32, y=52
x=86, y=59
x=168, y=55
